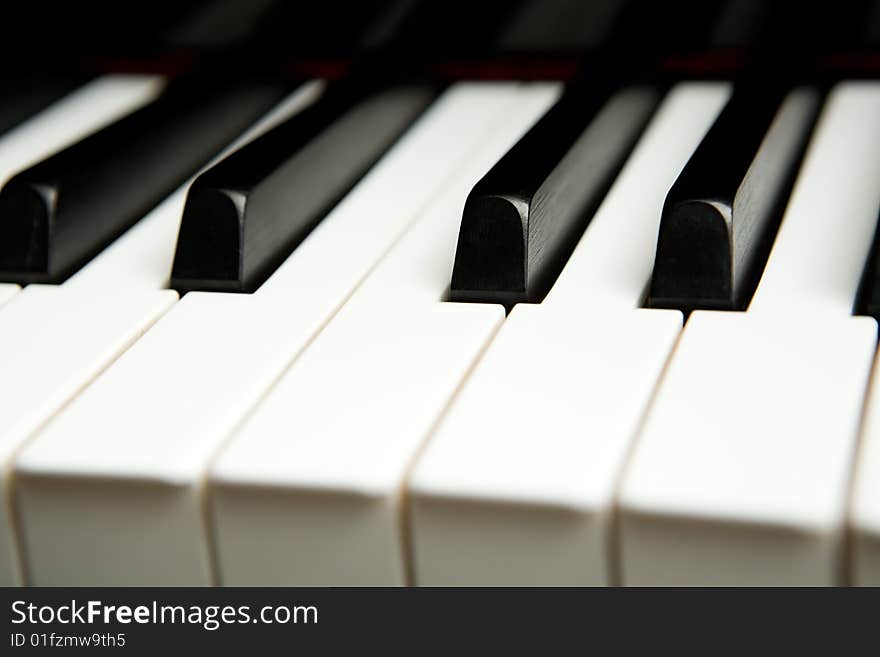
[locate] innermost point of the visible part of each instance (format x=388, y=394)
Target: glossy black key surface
x=524, y=217
x=59, y=213
x=721, y=215
x=247, y=213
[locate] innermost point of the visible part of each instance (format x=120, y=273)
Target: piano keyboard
x=372, y=331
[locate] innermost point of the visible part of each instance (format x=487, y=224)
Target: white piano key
x=517, y=483
x=865, y=507
x=319, y=466
x=76, y=115
x=7, y=291
x=816, y=262
x=55, y=339
x=741, y=473
x=51, y=345
x=612, y=264
x=117, y=475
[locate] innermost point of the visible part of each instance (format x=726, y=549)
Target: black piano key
x=21, y=98
x=868, y=297
x=246, y=214
x=720, y=217
x=523, y=218
x=59, y=213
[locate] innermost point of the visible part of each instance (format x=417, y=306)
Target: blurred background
x=520, y=39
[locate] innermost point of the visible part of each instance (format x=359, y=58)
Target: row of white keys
x=117, y=477
x=54, y=339
x=308, y=492
x=80, y=113
x=742, y=470
x=516, y=485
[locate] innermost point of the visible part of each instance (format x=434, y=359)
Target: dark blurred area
x=490, y=38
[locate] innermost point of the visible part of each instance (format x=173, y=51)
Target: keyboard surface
x=585, y=296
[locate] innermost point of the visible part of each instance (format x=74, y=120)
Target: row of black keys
x=243, y=216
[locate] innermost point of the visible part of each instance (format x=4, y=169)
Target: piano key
x=7, y=290
x=27, y=96
x=247, y=213
x=55, y=339
x=522, y=219
x=77, y=114
x=131, y=451
x=868, y=298
x=301, y=476
x=742, y=470
x=815, y=266
x=60, y=212
x=80, y=113
x=864, y=517
x=142, y=257
x=720, y=216
x=516, y=486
